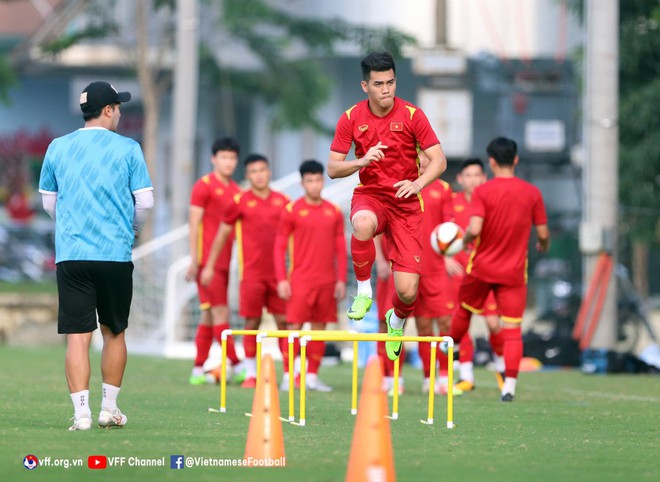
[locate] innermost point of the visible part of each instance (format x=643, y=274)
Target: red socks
x=203, y=342
x=364, y=255
x=315, y=351
x=217, y=335
x=513, y=350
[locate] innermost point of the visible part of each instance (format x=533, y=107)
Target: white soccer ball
x=447, y=239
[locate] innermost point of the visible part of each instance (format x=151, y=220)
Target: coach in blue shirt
x=95, y=185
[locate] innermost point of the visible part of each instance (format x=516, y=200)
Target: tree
x=269, y=32
x=639, y=120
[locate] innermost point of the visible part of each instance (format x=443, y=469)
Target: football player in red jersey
x=471, y=174
x=210, y=196
x=254, y=216
x=387, y=132
x=504, y=210
x=313, y=231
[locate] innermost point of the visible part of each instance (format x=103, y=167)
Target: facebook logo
x=177, y=462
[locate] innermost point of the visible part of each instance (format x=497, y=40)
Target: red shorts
x=215, y=294
x=312, y=303
x=489, y=309
x=401, y=222
x=384, y=292
x=434, y=296
x=255, y=294
x=510, y=299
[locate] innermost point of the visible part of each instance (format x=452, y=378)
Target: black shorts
x=88, y=287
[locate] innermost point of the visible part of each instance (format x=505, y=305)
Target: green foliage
x=65, y=41
x=639, y=184
x=7, y=78
x=295, y=87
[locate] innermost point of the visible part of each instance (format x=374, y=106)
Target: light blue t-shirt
x=94, y=172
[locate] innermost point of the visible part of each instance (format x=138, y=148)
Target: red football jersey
x=213, y=195
x=509, y=206
x=460, y=212
x=255, y=220
x=316, y=242
x=436, y=195
x=402, y=130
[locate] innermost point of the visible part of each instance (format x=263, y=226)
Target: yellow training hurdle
x=323, y=335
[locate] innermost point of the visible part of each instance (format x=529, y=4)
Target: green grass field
x=563, y=426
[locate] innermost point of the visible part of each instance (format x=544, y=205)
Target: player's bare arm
x=473, y=230
x=338, y=166
x=543, y=235
x=195, y=216
x=224, y=230
x=437, y=163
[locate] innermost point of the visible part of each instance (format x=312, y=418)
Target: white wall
x=512, y=28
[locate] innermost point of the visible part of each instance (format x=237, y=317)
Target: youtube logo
x=97, y=462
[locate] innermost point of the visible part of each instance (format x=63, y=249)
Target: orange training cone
x=265, y=442
x=371, y=456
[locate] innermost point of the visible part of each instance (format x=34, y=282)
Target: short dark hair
x=311, y=166
x=472, y=161
x=503, y=150
x=225, y=144
x=87, y=116
x=376, y=62
x=252, y=158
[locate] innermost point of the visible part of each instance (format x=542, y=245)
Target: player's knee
x=364, y=224
x=407, y=295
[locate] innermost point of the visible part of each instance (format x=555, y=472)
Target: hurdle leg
x=223, y=375
x=395, y=395
x=259, y=340
x=354, y=387
x=292, y=394
x=303, y=378
x=429, y=417
x=450, y=384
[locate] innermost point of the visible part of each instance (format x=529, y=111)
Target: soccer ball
x=447, y=239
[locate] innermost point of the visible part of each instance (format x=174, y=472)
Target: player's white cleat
x=112, y=418
x=83, y=422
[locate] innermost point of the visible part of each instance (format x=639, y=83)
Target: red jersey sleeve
x=423, y=130
x=538, y=213
x=200, y=193
x=477, y=207
x=343, y=134
x=233, y=211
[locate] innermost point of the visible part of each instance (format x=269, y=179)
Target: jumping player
x=386, y=131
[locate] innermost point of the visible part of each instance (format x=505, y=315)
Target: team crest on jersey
x=328, y=212
x=417, y=258
x=435, y=194
x=251, y=203
x=363, y=127
x=396, y=126
x=459, y=207
x=303, y=212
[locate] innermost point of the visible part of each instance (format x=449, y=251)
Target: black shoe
x=507, y=397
